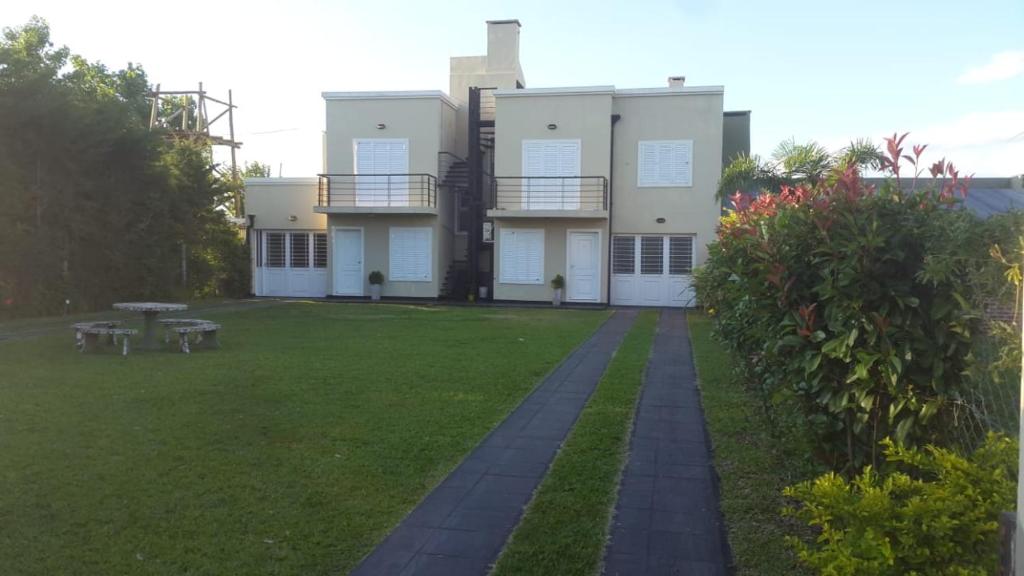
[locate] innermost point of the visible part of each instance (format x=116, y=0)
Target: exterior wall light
x=381, y=126
x=552, y=126
x=293, y=218
x=660, y=220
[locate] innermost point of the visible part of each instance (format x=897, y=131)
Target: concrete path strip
x=460, y=528
x=667, y=518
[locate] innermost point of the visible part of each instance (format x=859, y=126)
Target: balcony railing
x=550, y=193
x=378, y=190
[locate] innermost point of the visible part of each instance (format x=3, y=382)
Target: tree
x=256, y=170
x=94, y=207
x=792, y=164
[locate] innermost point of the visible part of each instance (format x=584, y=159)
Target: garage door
x=291, y=263
x=652, y=270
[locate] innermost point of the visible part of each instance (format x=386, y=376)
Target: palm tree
x=792, y=164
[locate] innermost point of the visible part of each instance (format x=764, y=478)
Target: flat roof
x=585, y=90
x=391, y=95
x=510, y=21
x=282, y=181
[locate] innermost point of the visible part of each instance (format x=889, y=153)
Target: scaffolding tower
x=185, y=114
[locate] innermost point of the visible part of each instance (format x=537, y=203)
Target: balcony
x=377, y=194
x=549, y=197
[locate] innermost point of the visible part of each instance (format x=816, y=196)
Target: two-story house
x=498, y=188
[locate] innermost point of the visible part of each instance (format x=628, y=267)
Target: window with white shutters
x=552, y=170
x=665, y=163
x=275, y=252
x=652, y=252
x=375, y=157
x=522, y=256
x=680, y=255
x=623, y=255
x=409, y=254
x=320, y=250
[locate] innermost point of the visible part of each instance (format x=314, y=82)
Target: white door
x=348, y=262
x=584, y=277
x=551, y=168
x=291, y=263
x=652, y=270
x=381, y=167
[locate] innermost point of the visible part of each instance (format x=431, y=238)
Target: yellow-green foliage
x=932, y=512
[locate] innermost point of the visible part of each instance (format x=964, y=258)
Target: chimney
x=503, y=45
x=676, y=81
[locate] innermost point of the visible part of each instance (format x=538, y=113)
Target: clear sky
x=949, y=72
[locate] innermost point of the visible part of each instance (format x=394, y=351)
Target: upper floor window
x=551, y=170
x=381, y=168
x=664, y=163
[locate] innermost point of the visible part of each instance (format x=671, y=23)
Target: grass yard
x=754, y=461
x=565, y=527
x=292, y=450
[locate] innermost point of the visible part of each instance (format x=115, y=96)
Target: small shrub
x=558, y=282
x=376, y=277
x=934, y=513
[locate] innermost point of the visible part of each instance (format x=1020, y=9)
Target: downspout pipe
x=611, y=185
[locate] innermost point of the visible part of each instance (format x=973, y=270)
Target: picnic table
x=150, y=310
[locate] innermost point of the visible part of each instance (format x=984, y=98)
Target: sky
x=949, y=72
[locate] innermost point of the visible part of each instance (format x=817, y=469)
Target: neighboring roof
x=987, y=202
x=736, y=113
x=391, y=95
x=512, y=21
x=562, y=91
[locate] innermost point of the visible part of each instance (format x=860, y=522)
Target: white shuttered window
x=409, y=254
x=381, y=156
x=522, y=256
x=665, y=163
x=552, y=168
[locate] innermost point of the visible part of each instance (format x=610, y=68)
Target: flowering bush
x=856, y=302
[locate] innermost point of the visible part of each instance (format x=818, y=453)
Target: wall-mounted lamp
x=660, y=220
x=293, y=218
x=552, y=126
x=381, y=126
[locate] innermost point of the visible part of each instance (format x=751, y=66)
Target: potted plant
x=376, y=279
x=558, y=283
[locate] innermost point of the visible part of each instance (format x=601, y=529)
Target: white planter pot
x=374, y=291
x=483, y=292
x=556, y=300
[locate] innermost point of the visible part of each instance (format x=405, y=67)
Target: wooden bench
x=87, y=335
x=205, y=332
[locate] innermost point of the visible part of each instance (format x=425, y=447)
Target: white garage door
x=652, y=270
x=291, y=263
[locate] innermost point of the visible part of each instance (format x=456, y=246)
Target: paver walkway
x=461, y=527
x=667, y=519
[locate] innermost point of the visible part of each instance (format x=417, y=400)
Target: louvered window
x=299, y=250
x=665, y=163
x=522, y=256
x=381, y=165
x=623, y=255
x=320, y=250
x=652, y=251
x=275, y=252
x=409, y=254
x=680, y=255
x=552, y=170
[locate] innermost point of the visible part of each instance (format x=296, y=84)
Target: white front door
x=584, y=279
x=348, y=262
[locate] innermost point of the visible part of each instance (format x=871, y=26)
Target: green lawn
x=565, y=527
x=754, y=461
x=292, y=450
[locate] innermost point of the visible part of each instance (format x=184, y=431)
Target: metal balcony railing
x=378, y=190
x=550, y=193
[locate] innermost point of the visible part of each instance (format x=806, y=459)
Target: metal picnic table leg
x=149, y=339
